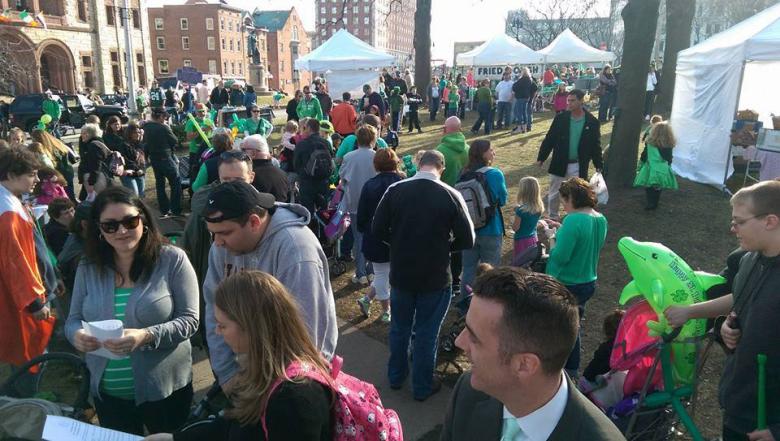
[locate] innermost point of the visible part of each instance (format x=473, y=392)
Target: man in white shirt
x=652, y=81
x=519, y=331
x=504, y=101
x=202, y=92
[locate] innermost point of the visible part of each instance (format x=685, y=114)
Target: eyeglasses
x=233, y=154
x=739, y=222
x=255, y=111
x=130, y=223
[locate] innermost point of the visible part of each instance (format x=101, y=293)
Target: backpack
x=473, y=186
x=359, y=413
x=117, y=164
x=320, y=164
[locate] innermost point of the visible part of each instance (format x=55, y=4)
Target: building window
x=159, y=24
x=223, y=44
x=295, y=33
x=213, y=67
x=187, y=62
x=162, y=66
x=323, y=32
x=238, y=45
x=230, y=26
x=346, y=22
x=116, y=71
x=333, y=10
x=221, y=24
x=87, y=73
x=231, y=45
x=184, y=24
x=185, y=43
x=281, y=47
x=136, y=19
x=224, y=68
x=365, y=20
x=240, y=68
x=354, y=9
x=161, y=43
x=211, y=44
x=232, y=68
x=139, y=61
x=366, y=9
x=322, y=21
x=110, y=20
x=82, y=10
x=323, y=10
x=209, y=24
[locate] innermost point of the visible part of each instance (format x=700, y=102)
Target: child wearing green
x=396, y=102
x=655, y=171
x=452, y=107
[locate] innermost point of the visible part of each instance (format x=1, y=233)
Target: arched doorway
x=56, y=67
x=18, y=72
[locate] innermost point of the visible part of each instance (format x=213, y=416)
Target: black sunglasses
x=129, y=223
x=233, y=154
x=255, y=111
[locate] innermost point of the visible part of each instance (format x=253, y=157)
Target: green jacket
x=251, y=127
x=456, y=155
x=51, y=107
x=309, y=109
x=396, y=102
x=485, y=96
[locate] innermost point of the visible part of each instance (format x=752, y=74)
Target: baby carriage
x=643, y=394
x=332, y=222
x=54, y=384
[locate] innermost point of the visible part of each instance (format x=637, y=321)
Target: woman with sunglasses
x=128, y=274
x=221, y=142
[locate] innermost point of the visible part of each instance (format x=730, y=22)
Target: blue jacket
x=497, y=186
x=250, y=98
x=374, y=249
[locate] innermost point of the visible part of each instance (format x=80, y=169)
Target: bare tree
x=536, y=26
x=640, y=18
x=679, y=21
x=713, y=16
x=17, y=67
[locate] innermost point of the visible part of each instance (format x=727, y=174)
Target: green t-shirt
x=575, y=256
x=575, y=133
x=117, y=378
x=190, y=128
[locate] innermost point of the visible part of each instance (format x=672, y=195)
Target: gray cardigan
x=165, y=303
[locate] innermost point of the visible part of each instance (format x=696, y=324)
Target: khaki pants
x=553, y=197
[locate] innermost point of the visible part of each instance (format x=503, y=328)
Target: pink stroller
x=332, y=223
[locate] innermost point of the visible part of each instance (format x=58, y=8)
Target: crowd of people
x=250, y=278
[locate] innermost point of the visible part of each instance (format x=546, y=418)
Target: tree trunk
x=422, y=47
x=679, y=23
x=640, y=18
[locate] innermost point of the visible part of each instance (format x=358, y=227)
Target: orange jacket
x=22, y=337
x=344, y=118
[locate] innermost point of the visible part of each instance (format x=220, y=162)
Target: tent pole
x=736, y=109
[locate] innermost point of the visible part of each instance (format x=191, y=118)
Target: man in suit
x=574, y=139
x=520, y=329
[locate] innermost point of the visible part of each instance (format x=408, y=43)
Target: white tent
x=736, y=67
x=344, y=51
x=568, y=48
x=499, y=50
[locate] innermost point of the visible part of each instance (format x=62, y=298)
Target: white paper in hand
x=66, y=429
x=104, y=330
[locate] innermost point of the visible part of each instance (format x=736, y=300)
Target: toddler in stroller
x=332, y=223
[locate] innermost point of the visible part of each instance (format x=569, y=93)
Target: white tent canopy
x=344, y=51
x=568, y=48
x=709, y=86
x=500, y=49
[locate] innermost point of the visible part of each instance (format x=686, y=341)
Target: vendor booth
x=347, y=63
x=568, y=48
x=732, y=70
x=500, y=50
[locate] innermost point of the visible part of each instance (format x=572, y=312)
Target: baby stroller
x=642, y=394
x=54, y=384
x=332, y=222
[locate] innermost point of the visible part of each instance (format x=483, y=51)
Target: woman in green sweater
x=575, y=248
x=484, y=108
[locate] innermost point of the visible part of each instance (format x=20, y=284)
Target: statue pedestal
x=258, y=78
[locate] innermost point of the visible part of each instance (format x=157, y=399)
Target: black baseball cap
x=235, y=199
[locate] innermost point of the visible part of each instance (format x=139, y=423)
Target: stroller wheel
x=337, y=268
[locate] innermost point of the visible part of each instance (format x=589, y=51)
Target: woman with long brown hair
x=261, y=322
x=61, y=155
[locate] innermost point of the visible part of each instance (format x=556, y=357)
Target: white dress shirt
x=539, y=424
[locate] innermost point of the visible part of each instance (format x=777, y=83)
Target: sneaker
x=419, y=130
x=385, y=317
x=360, y=280
x=435, y=387
x=364, y=304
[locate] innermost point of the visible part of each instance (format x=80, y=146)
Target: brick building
x=207, y=35
x=81, y=46
x=287, y=40
x=384, y=24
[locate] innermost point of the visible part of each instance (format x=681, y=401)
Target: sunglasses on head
x=233, y=154
x=130, y=222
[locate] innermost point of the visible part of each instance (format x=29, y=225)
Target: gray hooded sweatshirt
x=290, y=252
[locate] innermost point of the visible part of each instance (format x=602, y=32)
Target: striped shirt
x=118, y=377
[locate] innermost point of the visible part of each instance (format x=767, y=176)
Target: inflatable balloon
x=664, y=279
x=46, y=118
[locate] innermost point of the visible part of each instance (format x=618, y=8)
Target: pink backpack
x=359, y=414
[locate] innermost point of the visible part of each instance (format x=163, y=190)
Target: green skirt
x=655, y=174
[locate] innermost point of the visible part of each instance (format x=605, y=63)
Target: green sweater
x=456, y=155
x=396, y=102
x=310, y=108
x=485, y=96
x=575, y=256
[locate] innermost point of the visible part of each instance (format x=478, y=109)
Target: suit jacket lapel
x=486, y=421
x=569, y=424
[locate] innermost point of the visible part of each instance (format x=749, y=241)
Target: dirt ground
x=694, y=222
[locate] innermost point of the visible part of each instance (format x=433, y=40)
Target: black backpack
x=320, y=164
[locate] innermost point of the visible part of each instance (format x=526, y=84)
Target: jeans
x=166, y=415
x=521, y=111
x=167, y=169
x=504, y=117
x=583, y=292
x=423, y=314
x=606, y=103
x=362, y=266
x=486, y=249
x=135, y=183
x=395, y=118
x=485, y=112
x=434, y=107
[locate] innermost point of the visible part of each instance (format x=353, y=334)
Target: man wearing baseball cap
x=252, y=232
x=269, y=178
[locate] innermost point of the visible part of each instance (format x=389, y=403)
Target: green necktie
x=511, y=429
